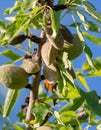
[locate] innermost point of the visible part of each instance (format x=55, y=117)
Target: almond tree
x=57, y=98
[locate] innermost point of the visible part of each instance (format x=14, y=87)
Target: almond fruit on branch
x=57, y=41
x=30, y=66
x=50, y=86
x=18, y=39
x=51, y=73
x=31, y=63
x=13, y=77
x=74, y=48
x=48, y=53
x=21, y=38
x=67, y=35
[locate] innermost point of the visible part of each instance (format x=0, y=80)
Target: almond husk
x=18, y=39
x=75, y=49
x=58, y=41
x=67, y=35
x=51, y=73
x=48, y=53
x=30, y=66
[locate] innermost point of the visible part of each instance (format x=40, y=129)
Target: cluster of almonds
x=65, y=41
x=16, y=77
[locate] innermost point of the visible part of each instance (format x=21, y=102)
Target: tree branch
x=59, y=7
x=35, y=84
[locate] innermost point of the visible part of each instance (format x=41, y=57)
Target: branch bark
x=35, y=83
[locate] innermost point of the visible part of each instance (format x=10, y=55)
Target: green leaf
x=61, y=1
x=94, y=74
x=16, y=127
x=92, y=38
x=88, y=55
x=10, y=101
x=57, y=116
x=82, y=80
x=40, y=111
x=30, y=4
x=2, y=26
x=67, y=116
x=21, y=26
x=92, y=101
x=55, y=18
x=21, y=115
x=36, y=17
x=65, y=74
x=63, y=127
x=1, y=109
x=69, y=93
x=72, y=106
x=90, y=9
x=96, y=62
x=15, y=8
x=10, y=54
x=81, y=16
x=93, y=26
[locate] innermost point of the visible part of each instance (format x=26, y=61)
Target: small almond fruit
x=50, y=73
x=13, y=77
x=18, y=39
x=30, y=66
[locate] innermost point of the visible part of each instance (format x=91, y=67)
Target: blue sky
x=94, y=83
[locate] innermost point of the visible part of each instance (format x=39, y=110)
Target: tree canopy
x=41, y=48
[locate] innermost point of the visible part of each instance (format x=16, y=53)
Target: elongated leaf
x=40, y=110
x=21, y=26
x=55, y=18
x=10, y=101
x=71, y=93
x=94, y=74
x=81, y=16
x=30, y=4
x=67, y=116
x=57, y=116
x=36, y=17
x=69, y=113
x=72, y=106
x=10, y=54
x=96, y=62
x=81, y=79
x=93, y=38
x=93, y=26
x=16, y=127
x=1, y=109
x=92, y=101
x=15, y=8
x=92, y=11
x=66, y=74
x=88, y=55
x=2, y=26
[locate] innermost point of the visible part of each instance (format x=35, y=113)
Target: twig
x=59, y=7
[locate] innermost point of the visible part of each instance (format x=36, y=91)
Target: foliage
x=65, y=105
